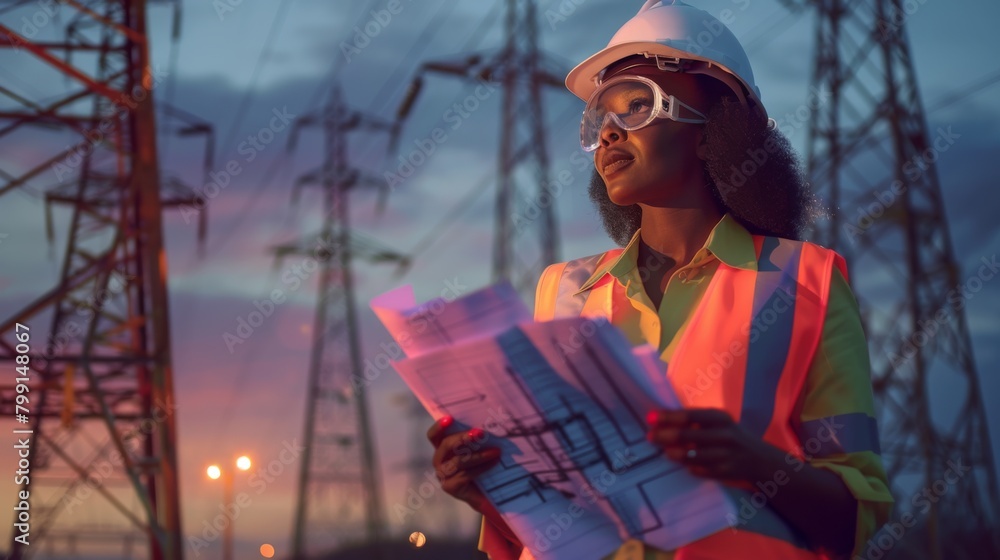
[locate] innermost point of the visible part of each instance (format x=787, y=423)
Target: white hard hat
x=679, y=37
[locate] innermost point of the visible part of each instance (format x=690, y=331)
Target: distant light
x=243, y=463
x=266, y=550
x=417, y=539
x=214, y=472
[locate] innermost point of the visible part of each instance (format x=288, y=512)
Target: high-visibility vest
x=747, y=350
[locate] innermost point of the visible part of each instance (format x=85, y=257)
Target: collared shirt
x=838, y=385
x=729, y=242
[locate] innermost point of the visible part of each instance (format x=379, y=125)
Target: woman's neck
x=675, y=234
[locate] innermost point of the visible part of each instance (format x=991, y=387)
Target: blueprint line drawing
x=565, y=401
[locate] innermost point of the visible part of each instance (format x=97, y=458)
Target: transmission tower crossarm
x=465, y=67
x=98, y=87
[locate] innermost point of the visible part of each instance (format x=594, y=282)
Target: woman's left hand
x=708, y=442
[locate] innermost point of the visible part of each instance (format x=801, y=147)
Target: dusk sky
x=249, y=398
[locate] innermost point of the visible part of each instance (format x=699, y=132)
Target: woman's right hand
x=459, y=458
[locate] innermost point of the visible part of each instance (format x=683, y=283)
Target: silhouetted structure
x=522, y=70
x=339, y=488
x=872, y=158
x=101, y=404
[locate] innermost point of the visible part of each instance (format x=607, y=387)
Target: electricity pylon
x=521, y=69
x=872, y=157
x=339, y=468
x=100, y=406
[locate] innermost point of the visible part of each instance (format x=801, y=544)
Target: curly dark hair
x=751, y=169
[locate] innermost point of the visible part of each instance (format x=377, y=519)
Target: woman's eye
x=638, y=106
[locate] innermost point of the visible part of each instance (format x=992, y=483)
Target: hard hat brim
x=581, y=79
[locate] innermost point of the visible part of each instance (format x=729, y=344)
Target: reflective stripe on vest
x=555, y=297
x=747, y=350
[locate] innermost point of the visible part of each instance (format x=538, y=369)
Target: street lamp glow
x=243, y=463
x=417, y=539
x=214, y=472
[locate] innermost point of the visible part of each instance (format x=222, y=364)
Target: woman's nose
x=611, y=132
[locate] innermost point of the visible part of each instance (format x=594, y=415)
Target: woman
x=761, y=331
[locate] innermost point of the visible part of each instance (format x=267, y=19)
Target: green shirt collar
x=730, y=242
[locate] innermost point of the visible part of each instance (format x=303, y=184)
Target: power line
x=966, y=91
x=338, y=63
x=418, y=47
x=770, y=34
x=423, y=41
x=271, y=172
x=251, y=202
x=265, y=53
x=255, y=196
x=464, y=204
x=425, y=38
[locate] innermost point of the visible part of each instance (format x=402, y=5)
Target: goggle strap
x=674, y=111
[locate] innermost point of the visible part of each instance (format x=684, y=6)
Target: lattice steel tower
x=526, y=238
x=339, y=488
x=871, y=155
x=101, y=401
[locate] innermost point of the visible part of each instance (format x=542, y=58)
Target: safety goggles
x=631, y=102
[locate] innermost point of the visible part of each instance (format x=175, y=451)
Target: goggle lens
x=629, y=103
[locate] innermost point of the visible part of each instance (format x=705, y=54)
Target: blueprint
x=565, y=401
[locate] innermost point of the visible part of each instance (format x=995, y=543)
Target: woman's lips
x=617, y=165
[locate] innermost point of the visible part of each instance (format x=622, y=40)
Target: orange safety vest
x=747, y=350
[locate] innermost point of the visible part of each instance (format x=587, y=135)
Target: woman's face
x=650, y=164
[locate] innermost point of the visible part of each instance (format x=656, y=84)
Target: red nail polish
x=476, y=433
x=652, y=417
x=446, y=421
